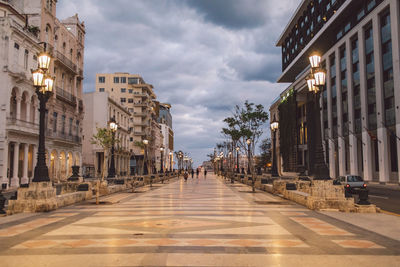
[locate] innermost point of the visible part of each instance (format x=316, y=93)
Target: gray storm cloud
x=203, y=57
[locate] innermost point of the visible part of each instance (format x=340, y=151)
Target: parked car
x=352, y=183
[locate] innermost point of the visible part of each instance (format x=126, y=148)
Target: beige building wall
x=100, y=108
x=65, y=42
x=132, y=92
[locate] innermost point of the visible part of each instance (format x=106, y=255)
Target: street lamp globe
x=274, y=125
x=161, y=149
x=315, y=60
x=145, y=141
x=320, y=77
x=311, y=83
x=248, y=141
x=38, y=76
x=44, y=61
x=237, y=148
x=113, y=126
x=48, y=84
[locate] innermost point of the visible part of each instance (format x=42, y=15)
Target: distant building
x=100, y=109
x=132, y=92
x=165, y=121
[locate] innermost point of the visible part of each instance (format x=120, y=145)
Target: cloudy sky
x=202, y=56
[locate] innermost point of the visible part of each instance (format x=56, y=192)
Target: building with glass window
x=132, y=92
x=360, y=115
x=100, y=109
x=24, y=25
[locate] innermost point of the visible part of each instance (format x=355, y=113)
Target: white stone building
x=19, y=131
x=100, y=108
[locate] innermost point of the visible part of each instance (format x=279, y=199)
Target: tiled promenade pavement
x=202, y=222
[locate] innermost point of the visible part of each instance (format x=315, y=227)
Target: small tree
x=248, y=122
x=104, y=138
x=265, y=156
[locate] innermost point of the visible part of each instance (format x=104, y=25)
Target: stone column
x=4, y=164
x=341, y=144
x=331, y=144
x=383, y=153
x=394, y=22
x=66, y=166
x=25, y=179
x=366, y=139
x=28, y=110
x=350, y=92
x=36, y=119
x=34, y=159
x=15, y=179
x=18, y=100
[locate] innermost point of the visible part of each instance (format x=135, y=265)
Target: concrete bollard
x=363, y=197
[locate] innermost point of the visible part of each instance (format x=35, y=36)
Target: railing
x=22, y=123
x=63, y=136
x=80, y=104
x=61, y=93
x=65, y=61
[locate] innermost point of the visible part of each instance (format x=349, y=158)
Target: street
x=385, y=197
x=201, y=222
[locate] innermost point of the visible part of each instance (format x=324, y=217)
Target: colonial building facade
x=132, y=92
x=100, y=109
x=64, y=40
x=165, y=121
x=360, y=115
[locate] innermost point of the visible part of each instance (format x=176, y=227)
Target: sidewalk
x=380, y=223
x=384, y=224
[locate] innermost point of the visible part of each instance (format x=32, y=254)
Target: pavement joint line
x=390, y=213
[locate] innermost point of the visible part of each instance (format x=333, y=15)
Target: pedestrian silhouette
x=192, y=173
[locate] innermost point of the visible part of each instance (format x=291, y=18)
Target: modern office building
x=100, y=110
x=24, y=25
x=360, y=115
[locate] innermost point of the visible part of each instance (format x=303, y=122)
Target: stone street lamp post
x=315, y=81
x=274, y=128
x=44, y=90
x=113, y=128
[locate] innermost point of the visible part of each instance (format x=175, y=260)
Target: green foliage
x=265, y=156
x=247, y=122
x=103, y=138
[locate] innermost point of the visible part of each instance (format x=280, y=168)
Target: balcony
x=68, y=63
x=65, y=96
x=139, y=114
x=80, y=104
x=22, y=126
x=63, y=136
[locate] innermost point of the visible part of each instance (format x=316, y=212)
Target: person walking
x=197, y=173
x=192, y=173
x=205, y=173
x=185, y=176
